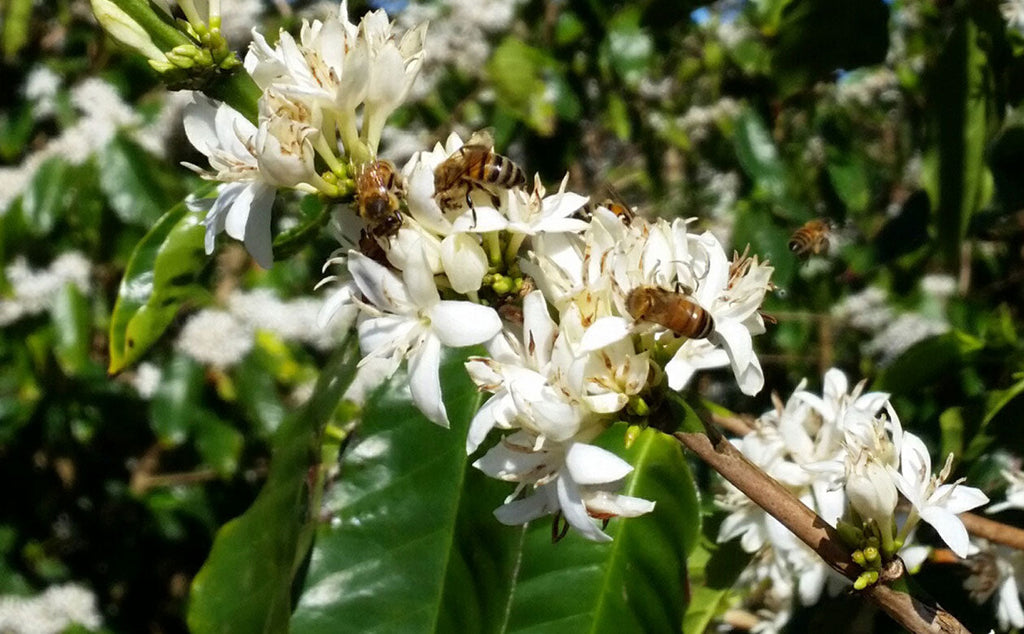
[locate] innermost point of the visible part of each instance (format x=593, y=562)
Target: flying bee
x=811, y=239
x=378, y=188
x=475, y=166
x=674, y=310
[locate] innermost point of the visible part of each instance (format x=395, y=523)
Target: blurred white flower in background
x=34, y=291
x=56, y=609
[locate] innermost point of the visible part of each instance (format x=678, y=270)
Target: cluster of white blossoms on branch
x=586, y=311
x=846, y=456
x=326, y=97
x=548, y=293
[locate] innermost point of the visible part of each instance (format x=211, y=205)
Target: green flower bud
x=125, y=30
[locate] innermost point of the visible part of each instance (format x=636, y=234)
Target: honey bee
x=378, y=188
x=613, y=203
x=811, y=239
x=671, y=309
x=475, y=166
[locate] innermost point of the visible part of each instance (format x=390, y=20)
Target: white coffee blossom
x=846, y=456
x=216, y=338
x=41, y=86
x=34, y=291
x=1014, y=491
x=53, y=611
x=147, y=379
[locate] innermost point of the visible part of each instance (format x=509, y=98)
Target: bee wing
x=483, y=137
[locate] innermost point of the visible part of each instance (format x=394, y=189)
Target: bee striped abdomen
x=675, y=311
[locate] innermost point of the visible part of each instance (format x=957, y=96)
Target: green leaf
x=135, y=183
x=819, y=37
x=72, y=323
x=245, y=585
x=14, y=24
x=1003, y=411
x=955, y=175
x=219, y=444
x=174, y=404
x=628, y=48
x=414, y=528
x=516, y=70
x=951, y=422
x=257, y=391
x=636, y=583
x=45, y=199
x=713, y=568
x=847, y=170
x=756, y=226
x=928, y=360
x=396, y=537
x=159, y=279
x=758, y=155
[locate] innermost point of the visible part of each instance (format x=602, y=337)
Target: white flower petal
x=485, y=219
x=604, y=332
x=949, y=527
x=575, y=512
x=527, y=509
x=460, y=324
x=381, y=287
x=425, y=381
x=464, y=262
x=590, y=464
x=957, y=498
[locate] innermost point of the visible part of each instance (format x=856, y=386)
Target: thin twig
x=806, y=525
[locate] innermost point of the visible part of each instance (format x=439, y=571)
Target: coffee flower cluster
x=846, y=456
x=545, y=281
x=326, y=97
x=545, y=291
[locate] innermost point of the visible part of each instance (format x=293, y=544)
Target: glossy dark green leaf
x=955, y=173
x=636, y=583
x=395, y=537
x=245, y=586
x=72, y=326
x=45, y=200
x=161, y=276
x=927, y=360
x=819, y=37
x=174, y=404
x=714, y=569
x=137, y=186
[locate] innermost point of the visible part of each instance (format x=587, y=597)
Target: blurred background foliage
x=898, y=122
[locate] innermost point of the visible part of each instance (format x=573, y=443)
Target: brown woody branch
x=993, y=531
x=777, y=501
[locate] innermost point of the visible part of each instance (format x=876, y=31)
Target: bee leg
x=559, y=527
x=469, y=203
